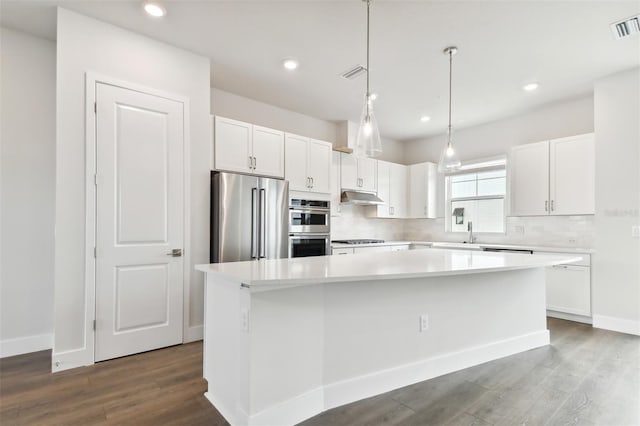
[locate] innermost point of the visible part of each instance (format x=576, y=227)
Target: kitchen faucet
x=470, y=229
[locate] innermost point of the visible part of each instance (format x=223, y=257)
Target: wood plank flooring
x=586, y=377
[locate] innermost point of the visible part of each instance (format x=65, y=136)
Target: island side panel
x=373, y=341
x=287, y=351
x=226, y=347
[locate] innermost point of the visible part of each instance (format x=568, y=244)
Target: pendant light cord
x=450, y=79
x=368, y=94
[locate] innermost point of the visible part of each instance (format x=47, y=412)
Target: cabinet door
x=232, y=145
x=319, y=166
x=336, y=208
x=398, y=190
x=529, y=179
x=268, y=152
x=367, y=174
x=295, y=155
x=349, y=171
x=569, y=289
x=384, y=184
x=572, y=175
x=417, y=191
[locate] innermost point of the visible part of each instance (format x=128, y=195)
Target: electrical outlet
x=635, y=231
x=244, y=319
x=424, y=322
x=519, y=229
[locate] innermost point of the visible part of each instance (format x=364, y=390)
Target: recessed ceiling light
x=154, y=9
x=373, y=96
x=290, y=64
x=425, y=118
x=530, y=87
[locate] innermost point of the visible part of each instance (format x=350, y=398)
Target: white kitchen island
x=287, y=339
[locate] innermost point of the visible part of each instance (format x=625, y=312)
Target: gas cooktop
x=360, y=241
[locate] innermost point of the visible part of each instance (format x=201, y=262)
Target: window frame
x=477, y=166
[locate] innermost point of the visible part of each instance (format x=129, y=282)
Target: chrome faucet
x=470, y=229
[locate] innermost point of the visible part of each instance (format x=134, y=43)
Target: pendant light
x=368, y=142
x=449, y=160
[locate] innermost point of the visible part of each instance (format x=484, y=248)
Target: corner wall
x=85, y=44
x=616, y=264
x=27, y=197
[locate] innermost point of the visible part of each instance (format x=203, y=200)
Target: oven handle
x=310, y=210
x=309, y=234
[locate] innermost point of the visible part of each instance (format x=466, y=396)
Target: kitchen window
x=477, y=194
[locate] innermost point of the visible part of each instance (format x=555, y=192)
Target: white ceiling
x=563, y=45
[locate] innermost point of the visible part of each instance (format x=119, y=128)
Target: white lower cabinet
x=400, y=248
x=346, y=250
x=569, y=287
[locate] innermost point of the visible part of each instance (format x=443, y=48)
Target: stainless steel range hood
x=360, y=198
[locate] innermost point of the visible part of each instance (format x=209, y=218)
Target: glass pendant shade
x=449, y=160
x=368, y=143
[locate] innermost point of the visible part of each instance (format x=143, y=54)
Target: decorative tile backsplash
x=554, y=231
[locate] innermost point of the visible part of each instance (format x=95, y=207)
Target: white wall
x=616, y=264
x=491, y=139
x=85, y=44
x=27, y=172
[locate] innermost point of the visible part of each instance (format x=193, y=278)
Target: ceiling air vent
x=626, y=27
x=354, y=72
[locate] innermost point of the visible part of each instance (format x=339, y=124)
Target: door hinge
x=94, y=325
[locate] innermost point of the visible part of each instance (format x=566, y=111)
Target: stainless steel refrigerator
x=249, y=217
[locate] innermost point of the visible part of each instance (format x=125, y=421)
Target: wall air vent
x=626, y=27
x=354, y=72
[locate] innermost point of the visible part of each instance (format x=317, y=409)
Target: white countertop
x=282, y=273
x=479, y=245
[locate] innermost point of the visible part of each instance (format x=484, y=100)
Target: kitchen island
x=287, y=339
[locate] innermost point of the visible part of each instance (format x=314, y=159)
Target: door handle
x=250, y=162
x=175, y=253
x=255, y=163
x=263, y=224
x=308, y=182
x=311, y=182
x=551, y=205
x=546, y=205
x=254, y=223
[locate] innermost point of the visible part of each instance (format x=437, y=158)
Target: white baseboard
x=366, y=386
x=570, y=317
x=67, y=360
x=25, y=345
x=617, y=324
x=194, y=334
x=316, y=401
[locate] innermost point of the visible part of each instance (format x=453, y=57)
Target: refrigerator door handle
x=254, y=223
x=263, y=224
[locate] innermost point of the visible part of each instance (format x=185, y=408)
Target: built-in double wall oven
x=309, y=228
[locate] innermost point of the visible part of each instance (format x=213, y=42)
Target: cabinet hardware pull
x=311, y=182
x=546, y=206
x=255, y=162
x=250, y=162
x=551, y=205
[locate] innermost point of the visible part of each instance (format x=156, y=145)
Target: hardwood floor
x=586, y=377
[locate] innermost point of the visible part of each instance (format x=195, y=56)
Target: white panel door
x=529, y=179
x=367, y=174
x=572, y=175
x=295, y=166
x=139, y=222
x=232, y=143
x=268, y=152
x=319, y=166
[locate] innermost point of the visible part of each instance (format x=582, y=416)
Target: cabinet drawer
x=342, y=251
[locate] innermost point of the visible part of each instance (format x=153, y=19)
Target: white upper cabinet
x=392, y=189
x=268, y=152
x=529, y=179
x=572, y=175
x=308, y=164
x=233, y=145
x=245, y=148
x=423, y=178
x=358, y=173
x=553, y=177
x=336, y=208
